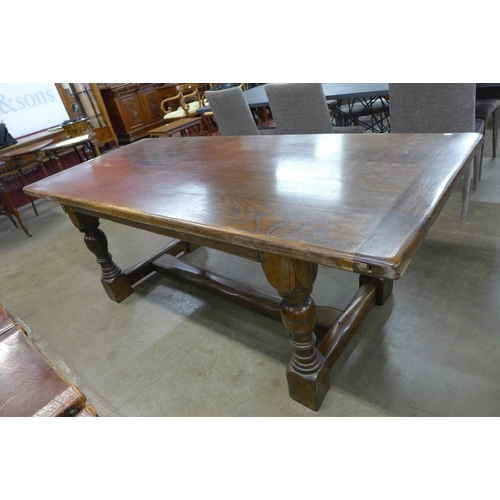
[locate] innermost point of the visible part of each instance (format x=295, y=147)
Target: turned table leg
x=113, y=279
x=307, y=371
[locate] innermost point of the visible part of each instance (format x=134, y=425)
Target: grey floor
x=171, y=350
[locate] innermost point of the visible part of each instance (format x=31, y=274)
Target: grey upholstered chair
x=486, y=108
x=436, y=108
x=301, y=108
x=231, y=112
x=478, y=160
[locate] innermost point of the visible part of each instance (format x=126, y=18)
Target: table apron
x=247, y=253
x=344, y=263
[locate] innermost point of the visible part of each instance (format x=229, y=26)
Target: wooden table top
x=359, y=202
x=28, y=149
x=72, y=141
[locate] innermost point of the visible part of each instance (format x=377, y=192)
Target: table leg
x=113, y=279
x=11, y=210
x=54, y=158
x=24, y=182
x=41, y=163
x=307, y=372
x=89, y=150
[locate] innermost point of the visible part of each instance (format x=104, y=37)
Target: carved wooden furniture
x=30, y=386
x=164, y=90
x=85, y=100
x=358, y=202
x=189, y=99
x=133, y=108
x=185, y=126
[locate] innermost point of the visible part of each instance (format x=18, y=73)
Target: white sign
x=26, y=108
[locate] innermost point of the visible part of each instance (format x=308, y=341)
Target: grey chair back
x=436, y=108
x=231, y=112
x=299, y=108
x=432, y=107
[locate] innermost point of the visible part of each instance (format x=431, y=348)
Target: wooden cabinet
x=85, y=100
x=133, y=108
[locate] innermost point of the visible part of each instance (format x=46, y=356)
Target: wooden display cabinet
x=134, y=109
x=85, y=100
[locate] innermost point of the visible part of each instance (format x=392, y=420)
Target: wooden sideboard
x=133, y=108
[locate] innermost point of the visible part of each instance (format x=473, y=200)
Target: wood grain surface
x=359, y=202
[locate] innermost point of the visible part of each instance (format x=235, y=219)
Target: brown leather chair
x=30, y=386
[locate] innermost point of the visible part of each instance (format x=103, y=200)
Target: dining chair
x=486, y=108
x=301, y=108
x=187, y=99
x=231, y=112
x=436, y=108
x=478, y=160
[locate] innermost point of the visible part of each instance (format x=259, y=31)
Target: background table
x=343, y=93
x=257, y=97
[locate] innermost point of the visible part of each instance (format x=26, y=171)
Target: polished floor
x=171, y=350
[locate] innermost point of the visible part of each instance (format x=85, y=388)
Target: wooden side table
x=185, y=126
x=83, y=142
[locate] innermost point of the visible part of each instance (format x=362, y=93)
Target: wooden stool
x=182, y=125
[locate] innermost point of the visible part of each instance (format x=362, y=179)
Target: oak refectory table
x=358, y=202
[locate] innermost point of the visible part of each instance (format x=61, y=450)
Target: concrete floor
x=171, y=350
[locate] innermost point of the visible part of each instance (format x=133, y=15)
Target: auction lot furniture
x=83, y=142
x=30, y=386
x=185, y=126
x=133, y=109
x=358, y=202
x=28, y=150
x=84, y=100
